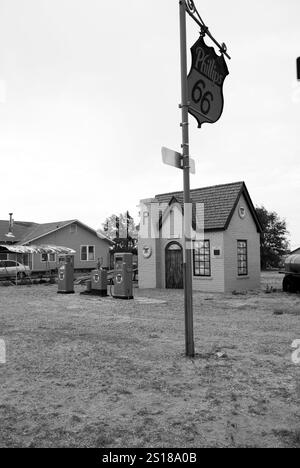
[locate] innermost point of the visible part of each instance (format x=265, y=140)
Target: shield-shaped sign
x=205, y=83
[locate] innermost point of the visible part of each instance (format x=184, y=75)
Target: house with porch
x=88, y=244
x=225, y=240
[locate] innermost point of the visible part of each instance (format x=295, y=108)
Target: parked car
x=11, y=269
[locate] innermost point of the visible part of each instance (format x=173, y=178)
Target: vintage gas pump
x=123, y=288
x=66, y=275
x=99, y=282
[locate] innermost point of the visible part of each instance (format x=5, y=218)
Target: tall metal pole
x=187, y=262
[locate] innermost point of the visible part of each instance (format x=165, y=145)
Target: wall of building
x=242, y=229
x=74, y=240
x=152, y=272
x=214, y=283
x=148, y=267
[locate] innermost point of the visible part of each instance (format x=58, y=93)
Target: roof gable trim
x=164, y=215
x=244, y=192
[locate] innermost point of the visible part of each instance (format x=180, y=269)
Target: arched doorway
x=174, y=266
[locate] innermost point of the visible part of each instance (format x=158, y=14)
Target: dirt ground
x=89, y=372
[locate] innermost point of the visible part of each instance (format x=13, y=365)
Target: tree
x=273, y=242
x=122, y=231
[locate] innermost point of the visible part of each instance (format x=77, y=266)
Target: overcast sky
x=89, y=92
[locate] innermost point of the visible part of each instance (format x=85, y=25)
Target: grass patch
x=108, y=373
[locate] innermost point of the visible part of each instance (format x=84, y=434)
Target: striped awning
x=37, y=249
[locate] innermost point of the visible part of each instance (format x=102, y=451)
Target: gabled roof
x=295, y=251
x=220, y=202
x=26, y=232
x=41, y=230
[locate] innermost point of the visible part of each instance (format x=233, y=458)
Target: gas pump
x=99, y=282
x=66, y=275
x=123, y=288
x=97, y=285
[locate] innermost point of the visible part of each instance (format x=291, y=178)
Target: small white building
x=225, y=254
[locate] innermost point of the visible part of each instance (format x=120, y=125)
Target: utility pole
x=187, y=252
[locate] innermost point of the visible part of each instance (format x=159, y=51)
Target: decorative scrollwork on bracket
x=190, y=6
x=194, y=13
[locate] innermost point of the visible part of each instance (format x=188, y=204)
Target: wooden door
x=174, y=266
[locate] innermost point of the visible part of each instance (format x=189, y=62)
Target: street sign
x=205, y=83
x=175, y=159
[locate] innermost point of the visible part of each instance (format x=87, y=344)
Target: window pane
x=84, y=253
x=242, y=253
x=201, y=258
x=91, y=253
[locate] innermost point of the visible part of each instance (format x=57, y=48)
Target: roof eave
x=244, y=191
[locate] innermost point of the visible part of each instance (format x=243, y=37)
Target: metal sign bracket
x=194, y=14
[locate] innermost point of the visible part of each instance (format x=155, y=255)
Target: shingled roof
x=40, y=230
x=27, y=232
x=20, y=229
x=219, y=202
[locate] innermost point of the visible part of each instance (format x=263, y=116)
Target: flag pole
x=187, y=252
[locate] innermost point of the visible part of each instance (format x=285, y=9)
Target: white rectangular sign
x=175, y=159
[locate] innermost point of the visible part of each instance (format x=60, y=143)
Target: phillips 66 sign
x=205, y=83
